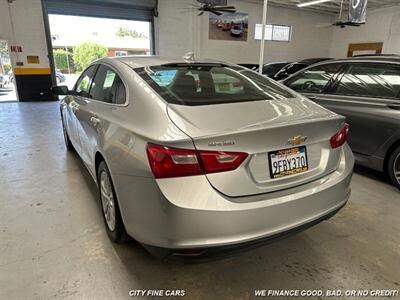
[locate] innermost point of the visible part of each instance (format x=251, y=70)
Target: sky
x=68, y=27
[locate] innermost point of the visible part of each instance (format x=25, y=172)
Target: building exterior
x=116, y=45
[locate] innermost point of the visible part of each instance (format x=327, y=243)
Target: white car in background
x=236, y=30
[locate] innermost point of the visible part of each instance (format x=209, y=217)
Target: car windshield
x=272, y=69
x=206, y=84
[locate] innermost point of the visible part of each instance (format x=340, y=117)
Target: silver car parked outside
x=194, y=158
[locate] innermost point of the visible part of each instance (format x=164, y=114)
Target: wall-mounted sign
x=16, y=48
x=31, y=59
x=228, y=26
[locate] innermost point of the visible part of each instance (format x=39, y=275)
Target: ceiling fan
x=216, y=7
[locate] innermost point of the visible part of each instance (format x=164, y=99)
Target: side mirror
x=61, y=90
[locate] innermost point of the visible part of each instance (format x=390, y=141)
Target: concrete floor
x=53, y=245
x=7, y=93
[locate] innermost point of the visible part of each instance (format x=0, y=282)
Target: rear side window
x=108, y=87
x=205, y=84
x=313, y=80
x=371, y=80
x=83, y=85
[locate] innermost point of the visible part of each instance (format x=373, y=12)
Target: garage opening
x=79, y=32
x=97, y=38
x=7, y=88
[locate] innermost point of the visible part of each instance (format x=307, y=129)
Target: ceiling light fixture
x=312, y=3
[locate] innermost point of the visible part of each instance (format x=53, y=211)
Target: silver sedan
x=200, y=158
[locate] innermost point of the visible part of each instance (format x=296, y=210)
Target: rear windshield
x=199, y=84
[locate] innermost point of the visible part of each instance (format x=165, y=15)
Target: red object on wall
x=16, y=48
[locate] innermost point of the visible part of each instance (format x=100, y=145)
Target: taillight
x=168, y=162
x=339, y=138
x=214, y=161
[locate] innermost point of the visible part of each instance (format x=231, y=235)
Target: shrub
x=86, y=53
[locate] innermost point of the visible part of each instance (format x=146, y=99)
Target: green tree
x=86, y=53
x=3, y=47
x=3, y=50
x=126, y=32
x=7, y=68
x=60, y=59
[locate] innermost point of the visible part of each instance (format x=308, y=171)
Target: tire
x=67, y=141
x=109, y=205
x=394, y=167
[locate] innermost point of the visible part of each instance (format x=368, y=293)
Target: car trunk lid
x=260, y=128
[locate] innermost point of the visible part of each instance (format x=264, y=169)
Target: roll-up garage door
x=139, y=10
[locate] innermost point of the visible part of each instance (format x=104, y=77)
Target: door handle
x=95, y=120
x=394, y=106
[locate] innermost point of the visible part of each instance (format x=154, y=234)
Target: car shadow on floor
x=242, y=273
x=372, y=174
x=308, y=259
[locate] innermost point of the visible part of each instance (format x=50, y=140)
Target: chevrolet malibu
x=201, y=158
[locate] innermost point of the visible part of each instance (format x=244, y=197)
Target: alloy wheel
x=107, y=200
x=396, y=168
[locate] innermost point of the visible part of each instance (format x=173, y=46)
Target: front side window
x=371, y=80
x=288, y=70
x=83, y=85
x=206, y=84
x=313, y=80
x=108, y=87
x=271, y=69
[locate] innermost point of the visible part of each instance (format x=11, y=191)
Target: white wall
x=21, y=24
x=5, y=24
x=179, y=32
x=382, y=25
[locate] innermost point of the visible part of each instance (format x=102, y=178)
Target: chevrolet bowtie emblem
x=297, y=140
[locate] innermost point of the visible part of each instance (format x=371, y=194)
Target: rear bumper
x=211, y=253
x=188, y=213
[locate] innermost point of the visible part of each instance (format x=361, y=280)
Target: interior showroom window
x=279, y=33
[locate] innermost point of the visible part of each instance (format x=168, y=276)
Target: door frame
x=377, y=47
x=50, y=43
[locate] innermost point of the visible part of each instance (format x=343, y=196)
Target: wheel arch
x=97, y=160
x=389, y=153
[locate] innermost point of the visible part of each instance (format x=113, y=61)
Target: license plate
x=288, y=162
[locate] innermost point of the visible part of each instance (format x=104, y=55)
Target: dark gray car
x=366, y=90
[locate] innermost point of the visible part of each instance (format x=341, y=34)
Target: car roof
x=142, y=61
x=395, y=59
x=310, y=61
x=371, y=58
x=277, y=63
